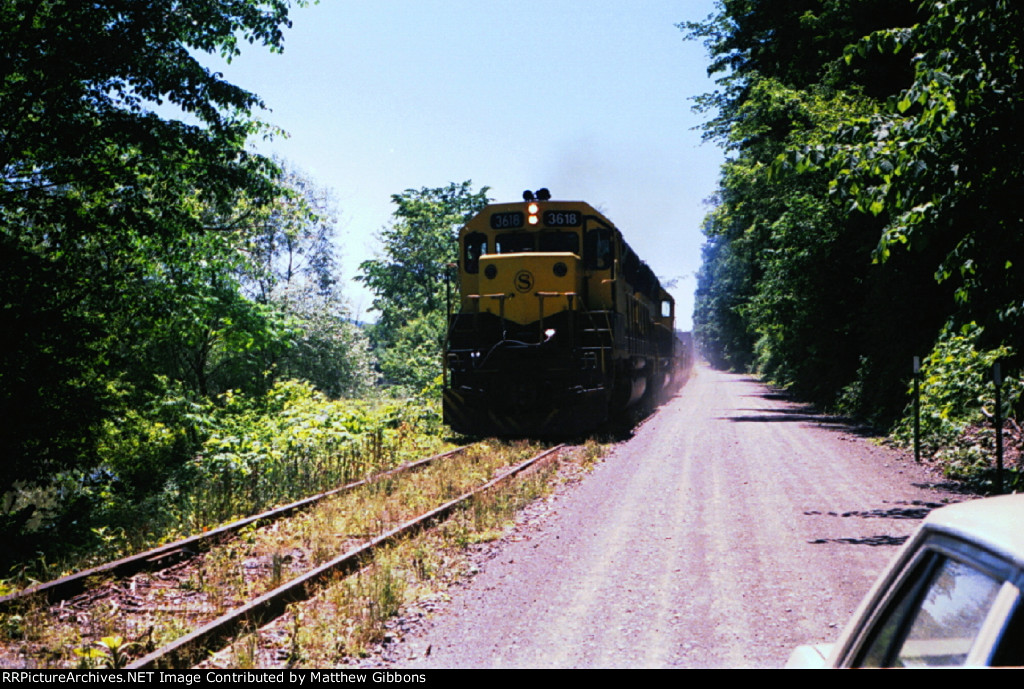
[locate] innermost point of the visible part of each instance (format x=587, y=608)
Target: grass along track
x=169, y=554
x=357, y=616
x=115, y=620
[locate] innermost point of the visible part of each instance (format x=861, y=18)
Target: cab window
x=598, y=250
x=562, y=242
x=515, y=242
x=475, y=245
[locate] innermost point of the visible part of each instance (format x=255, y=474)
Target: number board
x=502, y=221
x=563, y=218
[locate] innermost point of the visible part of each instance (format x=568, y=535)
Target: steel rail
x=164, y=556
x=186, y=650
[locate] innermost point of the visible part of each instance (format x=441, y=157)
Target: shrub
x=957, y=401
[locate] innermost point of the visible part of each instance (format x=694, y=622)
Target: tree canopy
x=152, y=261
x=419, y=248
x=82, y=144
x=867, y=206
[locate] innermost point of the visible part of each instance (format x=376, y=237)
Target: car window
x=935, y=618
x=949, y=618
x=888, y=630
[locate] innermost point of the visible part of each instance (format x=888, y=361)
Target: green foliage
x=142, y=446
x=787, y=287
x=290, y=242
x=409, y=278
x=115, y=651
x=939, y=160
x=254, y=452
x=291, y=267
x=111, y=215
x=957, y=403
x=723, y=282
x=81, y=82
x=870, y=196
x=796, y=45
x=956, y=385
x=326, y=348
x=52, y=391
x=151, y=263
x=412, y=359
x=295, y=442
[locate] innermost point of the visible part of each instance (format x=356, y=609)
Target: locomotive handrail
x=500, y=296
x=570, y=296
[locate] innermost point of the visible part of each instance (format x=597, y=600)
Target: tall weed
x=957, y=403
x=177, y=468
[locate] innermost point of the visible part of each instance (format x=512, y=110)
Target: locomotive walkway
x=732, y=527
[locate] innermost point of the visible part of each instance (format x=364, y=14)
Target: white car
x=952, y=597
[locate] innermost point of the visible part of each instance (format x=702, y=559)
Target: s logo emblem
x=524, y=281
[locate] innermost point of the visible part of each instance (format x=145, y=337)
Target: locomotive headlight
x=548, y=334
x=491, y=272
x=560, y=269
x=532, y=209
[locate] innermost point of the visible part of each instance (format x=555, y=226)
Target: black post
x=917, y=409
x=997, y=378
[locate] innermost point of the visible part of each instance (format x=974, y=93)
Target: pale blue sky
x=588, y=98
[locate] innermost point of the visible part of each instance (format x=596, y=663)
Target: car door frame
x=912, y=574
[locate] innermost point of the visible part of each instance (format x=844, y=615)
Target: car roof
x=994, y=523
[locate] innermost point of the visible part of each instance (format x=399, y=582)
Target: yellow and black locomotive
x=559, y=323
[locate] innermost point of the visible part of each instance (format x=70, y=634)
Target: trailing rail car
x=558, y=325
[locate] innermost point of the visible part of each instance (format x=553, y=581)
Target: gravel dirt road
x=733, y=526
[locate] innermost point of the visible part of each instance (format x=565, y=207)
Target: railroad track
x=170, y=554
x=177, y=591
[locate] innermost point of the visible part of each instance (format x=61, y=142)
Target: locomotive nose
x=526, y=287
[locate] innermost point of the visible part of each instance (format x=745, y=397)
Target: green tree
x=939, y=162
x=326, y=347
x=412, y=357
x=789, y=285
x=292, y=267
x=80, y=84
x=408, y=279
x=117, y=224
x=797, y=45
x=290, y=243
x=723, y=286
